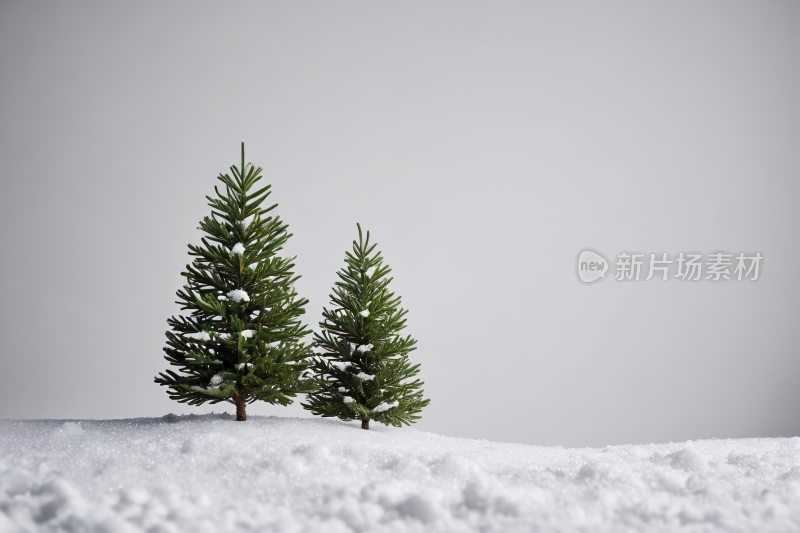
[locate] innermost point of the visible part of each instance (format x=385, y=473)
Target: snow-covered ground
x=210, y=473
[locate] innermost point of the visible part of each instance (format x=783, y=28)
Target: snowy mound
x=209, y=473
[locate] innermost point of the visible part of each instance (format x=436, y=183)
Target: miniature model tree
x=364, y=372
x=242, y=339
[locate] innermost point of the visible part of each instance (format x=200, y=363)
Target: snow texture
x=222, y=298
x=200, y=336
x=247, y=333
x=364, y=313
x=339, y=365
x=364, y=348
x=238, y=249
x=381, y=407
x=216, y=379
x=238, y=295
x=209, y=473
x=224, y=335
x=365, y=377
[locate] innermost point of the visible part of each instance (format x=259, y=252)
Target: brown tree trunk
x=241, y=415
x=365, y=423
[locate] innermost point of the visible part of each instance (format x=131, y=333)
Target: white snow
x=247, y=221
x=222, y=298
x=238, y=249
x=216, y=379
x=365, y=377
x=381, y=407
x=349, y=399
x=339, y=365
x=247, y=333
x=238, y=295
x=200, y=336
x=364, y=348
x=224, y=335
x=210, y=473
x=364, y=313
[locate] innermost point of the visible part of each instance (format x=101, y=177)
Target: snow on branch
x=246, y=222
x=381, y=407
x=238, y=295
x=200, y=336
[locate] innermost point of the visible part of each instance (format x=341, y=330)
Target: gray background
x=482, y=143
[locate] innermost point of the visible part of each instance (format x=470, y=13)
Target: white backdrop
x=482, y=144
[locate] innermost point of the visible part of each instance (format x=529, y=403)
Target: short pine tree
x=364, y=372
x=242, y=340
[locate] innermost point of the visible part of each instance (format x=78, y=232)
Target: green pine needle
x=364, y=372
x=241, y=335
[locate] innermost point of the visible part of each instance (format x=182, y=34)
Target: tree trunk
x=365, y=423
x=241, y=415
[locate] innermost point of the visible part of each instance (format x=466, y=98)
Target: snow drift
x=209, y=473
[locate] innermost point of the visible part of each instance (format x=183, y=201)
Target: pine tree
x=241, y=341
x=364, y=372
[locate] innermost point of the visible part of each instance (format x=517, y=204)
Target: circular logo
x=591, y=266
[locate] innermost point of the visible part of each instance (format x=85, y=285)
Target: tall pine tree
x=242, y=339
x=364, y=372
